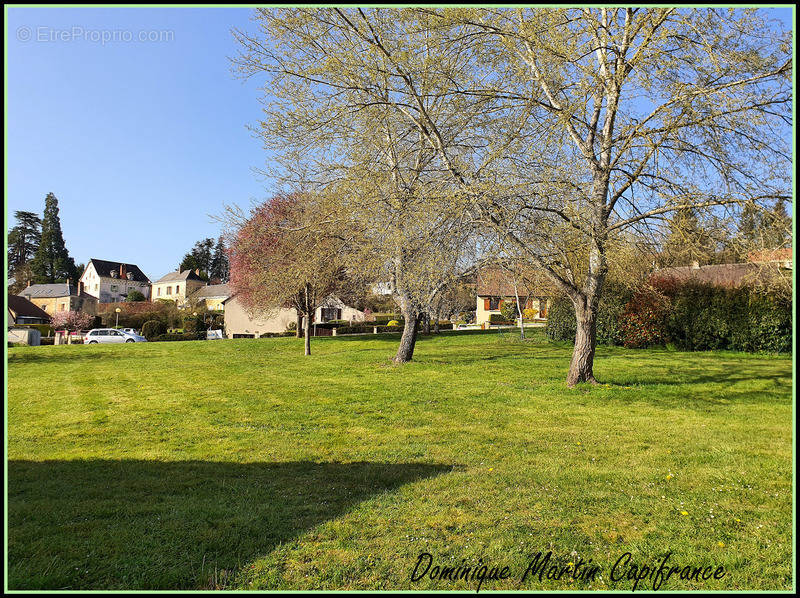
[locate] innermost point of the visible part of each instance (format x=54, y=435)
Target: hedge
x=690, y=316
x=703, y=317
x=185, y=336
x=500, y=319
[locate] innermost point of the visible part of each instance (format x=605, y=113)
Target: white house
x=112, y=281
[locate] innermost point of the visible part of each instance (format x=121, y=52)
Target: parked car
x=110, y=335
x=131, y=331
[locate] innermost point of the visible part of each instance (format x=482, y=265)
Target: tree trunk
x=580, y=368
x=309, y=314
x=299, y=327
x=307, y=334
x=436, y=323
x=406, y=349
x=426, y=323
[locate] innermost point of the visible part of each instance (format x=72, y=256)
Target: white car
x=130, y=331
x=110, y=335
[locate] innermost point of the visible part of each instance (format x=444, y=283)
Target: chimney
x=122, y=270
x=29, y=282
x=695, y=265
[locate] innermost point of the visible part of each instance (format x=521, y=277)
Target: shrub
x=642, y=320
x=185, y=336
x=384, y=319
x=529, y=313
x=152, y=329
x=499, y=319
x=193, y=323
x=134, y=295
x=509, y=310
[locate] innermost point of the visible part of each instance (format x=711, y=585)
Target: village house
x=177, y=286
x=112, y=281
x=213, y=296
x=496, y=286
x=241, y=324
x=60, y=296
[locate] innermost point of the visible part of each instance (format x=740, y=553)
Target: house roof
x=104, y=268
x=731, y=275
x=58, y=289
x=22, y=307
x=211, y=290
x=494, y=281
x=178, y=276
x=770, y=255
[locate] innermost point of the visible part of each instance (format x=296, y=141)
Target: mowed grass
x=243, y=464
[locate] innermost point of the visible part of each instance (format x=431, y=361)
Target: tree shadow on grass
x=102, y=524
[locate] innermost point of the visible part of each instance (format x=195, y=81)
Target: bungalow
x=239, y=323
x=61, y=296
x=177, y=286
x=112, y=281
x=496, y=286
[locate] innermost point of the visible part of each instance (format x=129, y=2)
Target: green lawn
x=242, y=464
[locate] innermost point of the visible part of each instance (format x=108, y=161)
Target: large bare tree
x=377, y=171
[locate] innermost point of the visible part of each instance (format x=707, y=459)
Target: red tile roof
x=494, y=281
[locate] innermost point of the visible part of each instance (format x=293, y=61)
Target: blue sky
x=140, y=141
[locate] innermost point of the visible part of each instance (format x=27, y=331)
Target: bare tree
x=383, y=190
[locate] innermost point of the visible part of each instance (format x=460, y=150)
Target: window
x=95, y=287
x=114, y=287
x=63, y=305
x=494, y=303
x=158, y=292
x=331, y=313
x=177, y=289
x=169, y=290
